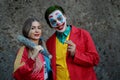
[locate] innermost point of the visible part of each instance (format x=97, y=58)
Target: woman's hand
x=35, y=51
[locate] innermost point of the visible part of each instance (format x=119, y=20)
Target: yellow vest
x=62, y=70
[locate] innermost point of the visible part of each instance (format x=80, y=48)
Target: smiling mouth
x=36, y=35
x=61, y=27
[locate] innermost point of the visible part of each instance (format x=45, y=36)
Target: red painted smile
x=60, y=27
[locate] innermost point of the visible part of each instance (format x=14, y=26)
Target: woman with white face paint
x=30, y=64
x=73, y=50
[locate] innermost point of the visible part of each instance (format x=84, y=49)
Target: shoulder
x=79, y=30
x=22, y=49
x=51, y=38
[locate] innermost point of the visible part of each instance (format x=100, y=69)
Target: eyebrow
x=50, y=16
x=57, y=13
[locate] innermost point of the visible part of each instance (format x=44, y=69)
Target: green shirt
x=62, y=36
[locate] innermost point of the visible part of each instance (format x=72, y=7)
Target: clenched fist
x=35, y=51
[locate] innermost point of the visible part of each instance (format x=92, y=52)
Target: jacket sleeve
x=23, y=66
x=86, y=53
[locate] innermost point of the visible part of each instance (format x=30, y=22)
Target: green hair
x=50, y=10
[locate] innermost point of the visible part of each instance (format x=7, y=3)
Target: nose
x=36, y=30
x=58, y=23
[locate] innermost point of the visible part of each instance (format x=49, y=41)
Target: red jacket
x=24, y=71
x=80, y=67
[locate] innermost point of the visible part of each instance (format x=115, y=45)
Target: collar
x=62, y=36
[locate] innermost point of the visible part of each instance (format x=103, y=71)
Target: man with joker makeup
x=73, y=51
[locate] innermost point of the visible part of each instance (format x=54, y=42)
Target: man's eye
x=53, y=22
x=60, y=18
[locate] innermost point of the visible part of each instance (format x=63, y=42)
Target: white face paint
x=58, y=20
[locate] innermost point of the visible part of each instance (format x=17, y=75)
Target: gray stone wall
x=100, y=17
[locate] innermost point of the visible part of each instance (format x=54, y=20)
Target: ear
x=65, y=16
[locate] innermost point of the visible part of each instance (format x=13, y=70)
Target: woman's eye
x=39, y=27
x=32, y=28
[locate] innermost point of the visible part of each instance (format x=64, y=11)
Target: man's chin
x=61, y=30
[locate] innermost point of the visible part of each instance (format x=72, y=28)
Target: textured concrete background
x=100, y=17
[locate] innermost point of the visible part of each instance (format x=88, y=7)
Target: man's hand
x=71, y=47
